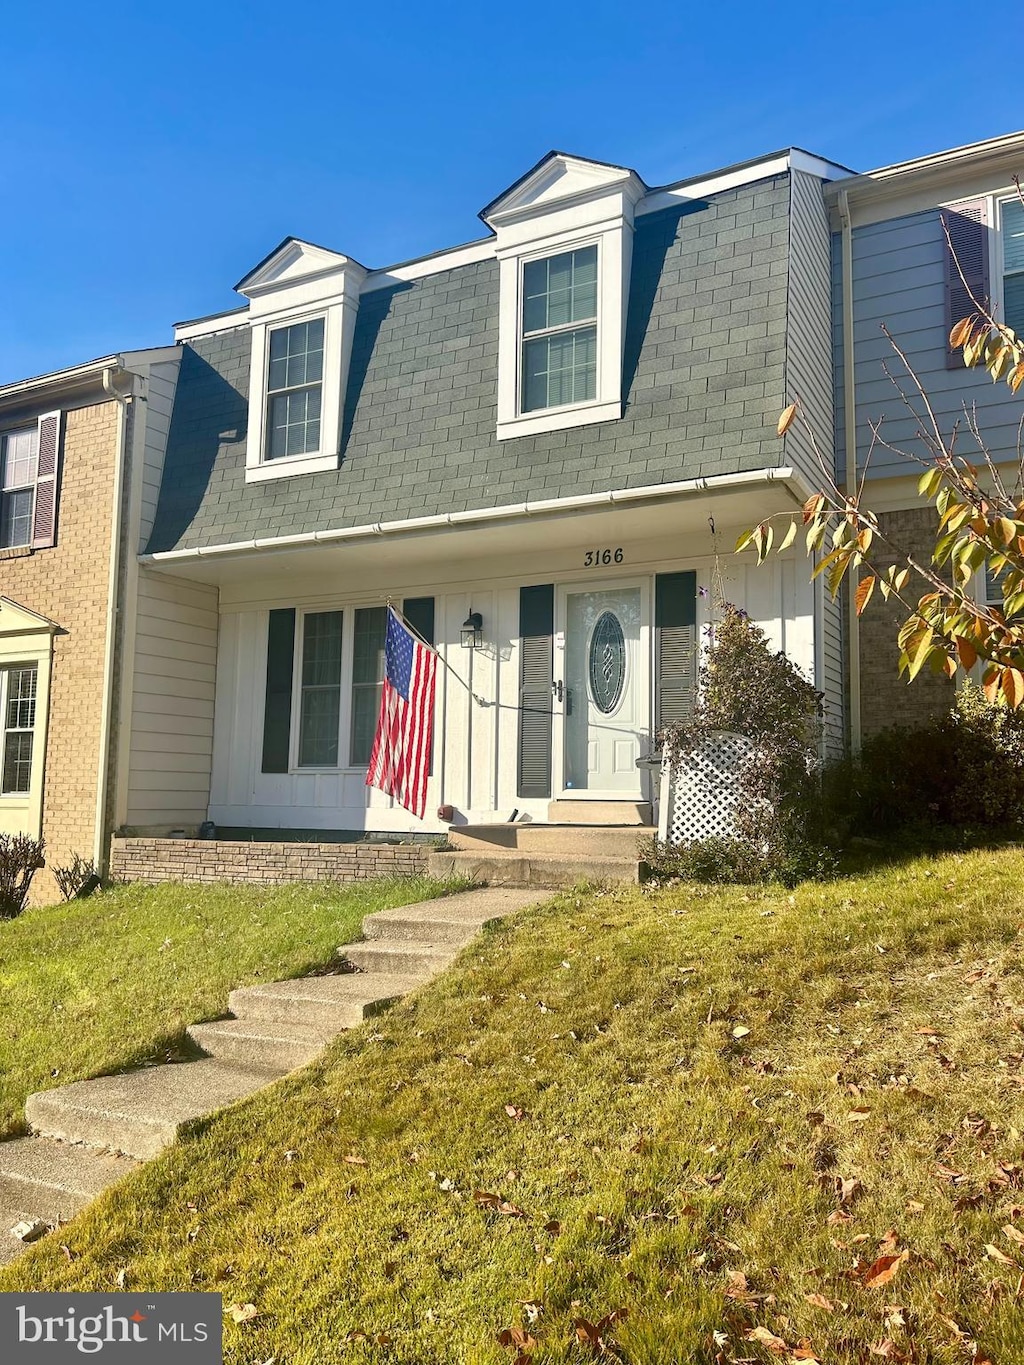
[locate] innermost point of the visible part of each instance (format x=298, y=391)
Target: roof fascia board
x=912, y=186
x=75, y=378
x=543, y=507
x=484, y=249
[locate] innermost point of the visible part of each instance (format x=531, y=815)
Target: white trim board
x=485, y=249
x=545, y=506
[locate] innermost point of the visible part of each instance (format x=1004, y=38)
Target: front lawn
x=102, y=984
x=769, y=1126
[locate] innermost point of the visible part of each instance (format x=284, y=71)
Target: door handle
x=558, y=689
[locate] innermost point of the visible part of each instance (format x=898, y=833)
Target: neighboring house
x=535, y=444
x=80, y=455
x=893, y=266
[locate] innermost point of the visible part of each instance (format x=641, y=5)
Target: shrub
x=748, y=688
x=961, y=772
x=72, y=878
x=20, y=856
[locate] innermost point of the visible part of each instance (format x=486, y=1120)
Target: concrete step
x=140, y=1112
x=512, y=868
x=51, y=1180
x=567, y=811
x=330, y=1003
x=259, y=1045
x=413, y=957
x=569, y=841
x=449, y=919
x=10, y=1247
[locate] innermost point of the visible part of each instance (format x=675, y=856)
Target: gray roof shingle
x=704, y=372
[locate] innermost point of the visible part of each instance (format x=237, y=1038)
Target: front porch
x=255, y=706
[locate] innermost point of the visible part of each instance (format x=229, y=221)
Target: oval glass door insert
x=607, y=662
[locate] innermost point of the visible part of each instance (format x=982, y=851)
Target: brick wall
x=68, y=583
x=886, y=698
x=222, y=860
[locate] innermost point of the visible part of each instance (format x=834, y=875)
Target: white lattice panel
x=700, y=794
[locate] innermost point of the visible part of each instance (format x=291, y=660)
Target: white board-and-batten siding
x=477, y=711
x=173, y=695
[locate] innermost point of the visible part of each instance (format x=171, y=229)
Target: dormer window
x=560, y=330
x=295, y=389
x=564, y=243
x=303, y=301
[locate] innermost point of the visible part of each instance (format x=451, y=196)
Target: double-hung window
x=295, y=371
x=320, y=691
x=19, y=455
x=559, y=320
x=1012, y=225
x=367, y=680
x=18, y=688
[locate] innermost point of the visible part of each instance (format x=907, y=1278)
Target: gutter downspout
x=101, y=850
x=850, y=460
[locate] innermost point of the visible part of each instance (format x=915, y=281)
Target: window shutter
x=44, y=516
x=675, y=627
x=419, y=612
x=536, y=663
x=968, y=232
x=277, y=714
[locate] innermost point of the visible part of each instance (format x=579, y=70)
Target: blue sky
x=152, y=154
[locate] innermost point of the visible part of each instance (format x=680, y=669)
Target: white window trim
x=996, y=273
x=348, y=649
x=30, y=487
x=22, y=812
x=562, y=206
x=300, y=283
x=257, y=466
x=613, y=258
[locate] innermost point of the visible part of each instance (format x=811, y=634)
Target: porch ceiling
x=394, y=550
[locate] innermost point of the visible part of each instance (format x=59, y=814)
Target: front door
x=601, y=690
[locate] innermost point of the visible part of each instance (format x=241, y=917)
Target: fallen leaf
x=884, y=1270
x=242, y=1312
x=766, y=1338
x=849, y=1189
x=354, y=1160
x=554, y=1227
x=820, y=1301
x=740, y=1031
x=859, y=1114
x=1014, y=1234
x=994, y=1254
x=514, y=1112
x=485, y=1199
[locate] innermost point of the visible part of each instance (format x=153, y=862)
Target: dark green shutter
x=277, y=715
x=536, y=630
x=675, y=628
x=419, y=613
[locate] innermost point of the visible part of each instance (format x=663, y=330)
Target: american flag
x=400, y=759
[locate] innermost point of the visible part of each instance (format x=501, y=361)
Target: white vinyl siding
x=175, y=675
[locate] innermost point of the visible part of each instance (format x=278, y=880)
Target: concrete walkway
x=88, y=1134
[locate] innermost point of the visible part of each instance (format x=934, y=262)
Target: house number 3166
x=594, y=557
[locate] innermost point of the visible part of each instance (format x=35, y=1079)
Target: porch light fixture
x=472, y=630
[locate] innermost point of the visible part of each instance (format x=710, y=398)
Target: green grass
x=664, y=1161
x=102, y=984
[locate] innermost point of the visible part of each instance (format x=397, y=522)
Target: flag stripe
x=400, y=758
